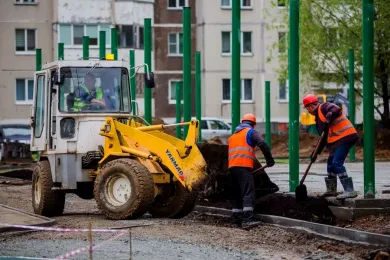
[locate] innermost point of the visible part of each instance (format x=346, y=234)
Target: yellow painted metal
x=182, y=158
x=109, y=56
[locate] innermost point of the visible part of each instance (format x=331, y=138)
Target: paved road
x=315, y=179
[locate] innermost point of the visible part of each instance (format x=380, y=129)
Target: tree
x=328, y=29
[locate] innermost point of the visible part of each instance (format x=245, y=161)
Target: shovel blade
x=301, y=192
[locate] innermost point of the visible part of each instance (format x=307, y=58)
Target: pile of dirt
x=277, y=204
x=375, y=224
x=219, y=183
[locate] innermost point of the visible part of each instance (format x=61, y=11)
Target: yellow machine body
x=159, y=152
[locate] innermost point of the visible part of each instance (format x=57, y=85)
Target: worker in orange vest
x=341, y=136
x=241, y=162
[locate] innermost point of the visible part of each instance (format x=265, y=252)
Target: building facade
x=214, y=41
x=168, y=49
x=74, y=19
x=25, y=25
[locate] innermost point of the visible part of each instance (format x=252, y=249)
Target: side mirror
x=149, y=79
x=59, y=80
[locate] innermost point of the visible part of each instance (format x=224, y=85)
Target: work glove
x=270, y=162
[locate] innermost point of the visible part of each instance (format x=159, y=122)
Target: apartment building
x=74, y=19
x=24, y=26
x=168, y=48
x=214, y=41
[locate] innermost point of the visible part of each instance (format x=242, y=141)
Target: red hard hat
x=309, y=99
x=249, y=117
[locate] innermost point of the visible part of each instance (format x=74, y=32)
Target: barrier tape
x=62, y=229
x=83, y=249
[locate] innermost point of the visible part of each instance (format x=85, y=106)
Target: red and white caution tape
x=62, y=229
x=83, y=249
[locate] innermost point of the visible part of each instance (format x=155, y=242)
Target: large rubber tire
x=45, y=201
x=135, y=182
x=179, y=205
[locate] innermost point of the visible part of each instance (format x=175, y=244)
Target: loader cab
x=72, y=99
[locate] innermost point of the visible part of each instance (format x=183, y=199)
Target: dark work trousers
x=244, y=189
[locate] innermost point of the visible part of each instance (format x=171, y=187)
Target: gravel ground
x=197, y=236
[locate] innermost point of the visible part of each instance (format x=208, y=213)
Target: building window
x=283, y=90
x=175, y=44
x=26, y=2
x=25, y=40
x=131, y=36
x=246, y=43
x=246, y=90
x=281, y=3
x=245, y=4
x=172, y=90
x=24, y=91
x=282, y=42
x=72, y=34
x=177, y=4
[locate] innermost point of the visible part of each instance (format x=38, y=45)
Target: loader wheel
x=45, y=201
x=124, y=188
x=178, y=205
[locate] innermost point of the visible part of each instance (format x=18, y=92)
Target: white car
x=215, y=127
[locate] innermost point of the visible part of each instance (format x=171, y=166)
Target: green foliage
x=328, y=30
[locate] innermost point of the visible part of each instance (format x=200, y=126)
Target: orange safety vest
x=241, y=154
x=339, y=128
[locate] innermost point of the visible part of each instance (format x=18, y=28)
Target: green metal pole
x=178, y=109
x=38, y=59
x=114, y=43
x=187, y=88
x=85, y=47
x=368, y=99
x=133, y=85
x=351, y=96
x=148, y=61
x=198, y=93
x=268, y=113
x=293, y=108
x=60, y=51
x=236, y=65
x=102, y=45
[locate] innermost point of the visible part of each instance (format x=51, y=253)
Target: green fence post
x=368, y=98
x=133, y=85
x=351, y=95
x=85, y=47
x=293, y=108
x=236, y=64
x=198, y=93
x=114, y=43
x=148, y=61
x=38, y=59
x=178, y=109
x=60, y=51
x=268, y=113
x=187, y=86
x=102, y=45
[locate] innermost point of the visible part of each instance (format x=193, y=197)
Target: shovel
x=300, y=190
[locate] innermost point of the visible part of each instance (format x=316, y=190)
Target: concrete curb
x=325, y=231
x=45, y=221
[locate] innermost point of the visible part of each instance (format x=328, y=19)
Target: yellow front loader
x=144, y=169
x=94, y=147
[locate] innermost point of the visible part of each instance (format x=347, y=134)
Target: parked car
x=14, y=138
x=215, y=127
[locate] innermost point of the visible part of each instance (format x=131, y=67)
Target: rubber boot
x=331, y=188
x=349, y=192
x=237, y=219
x=248, y=220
